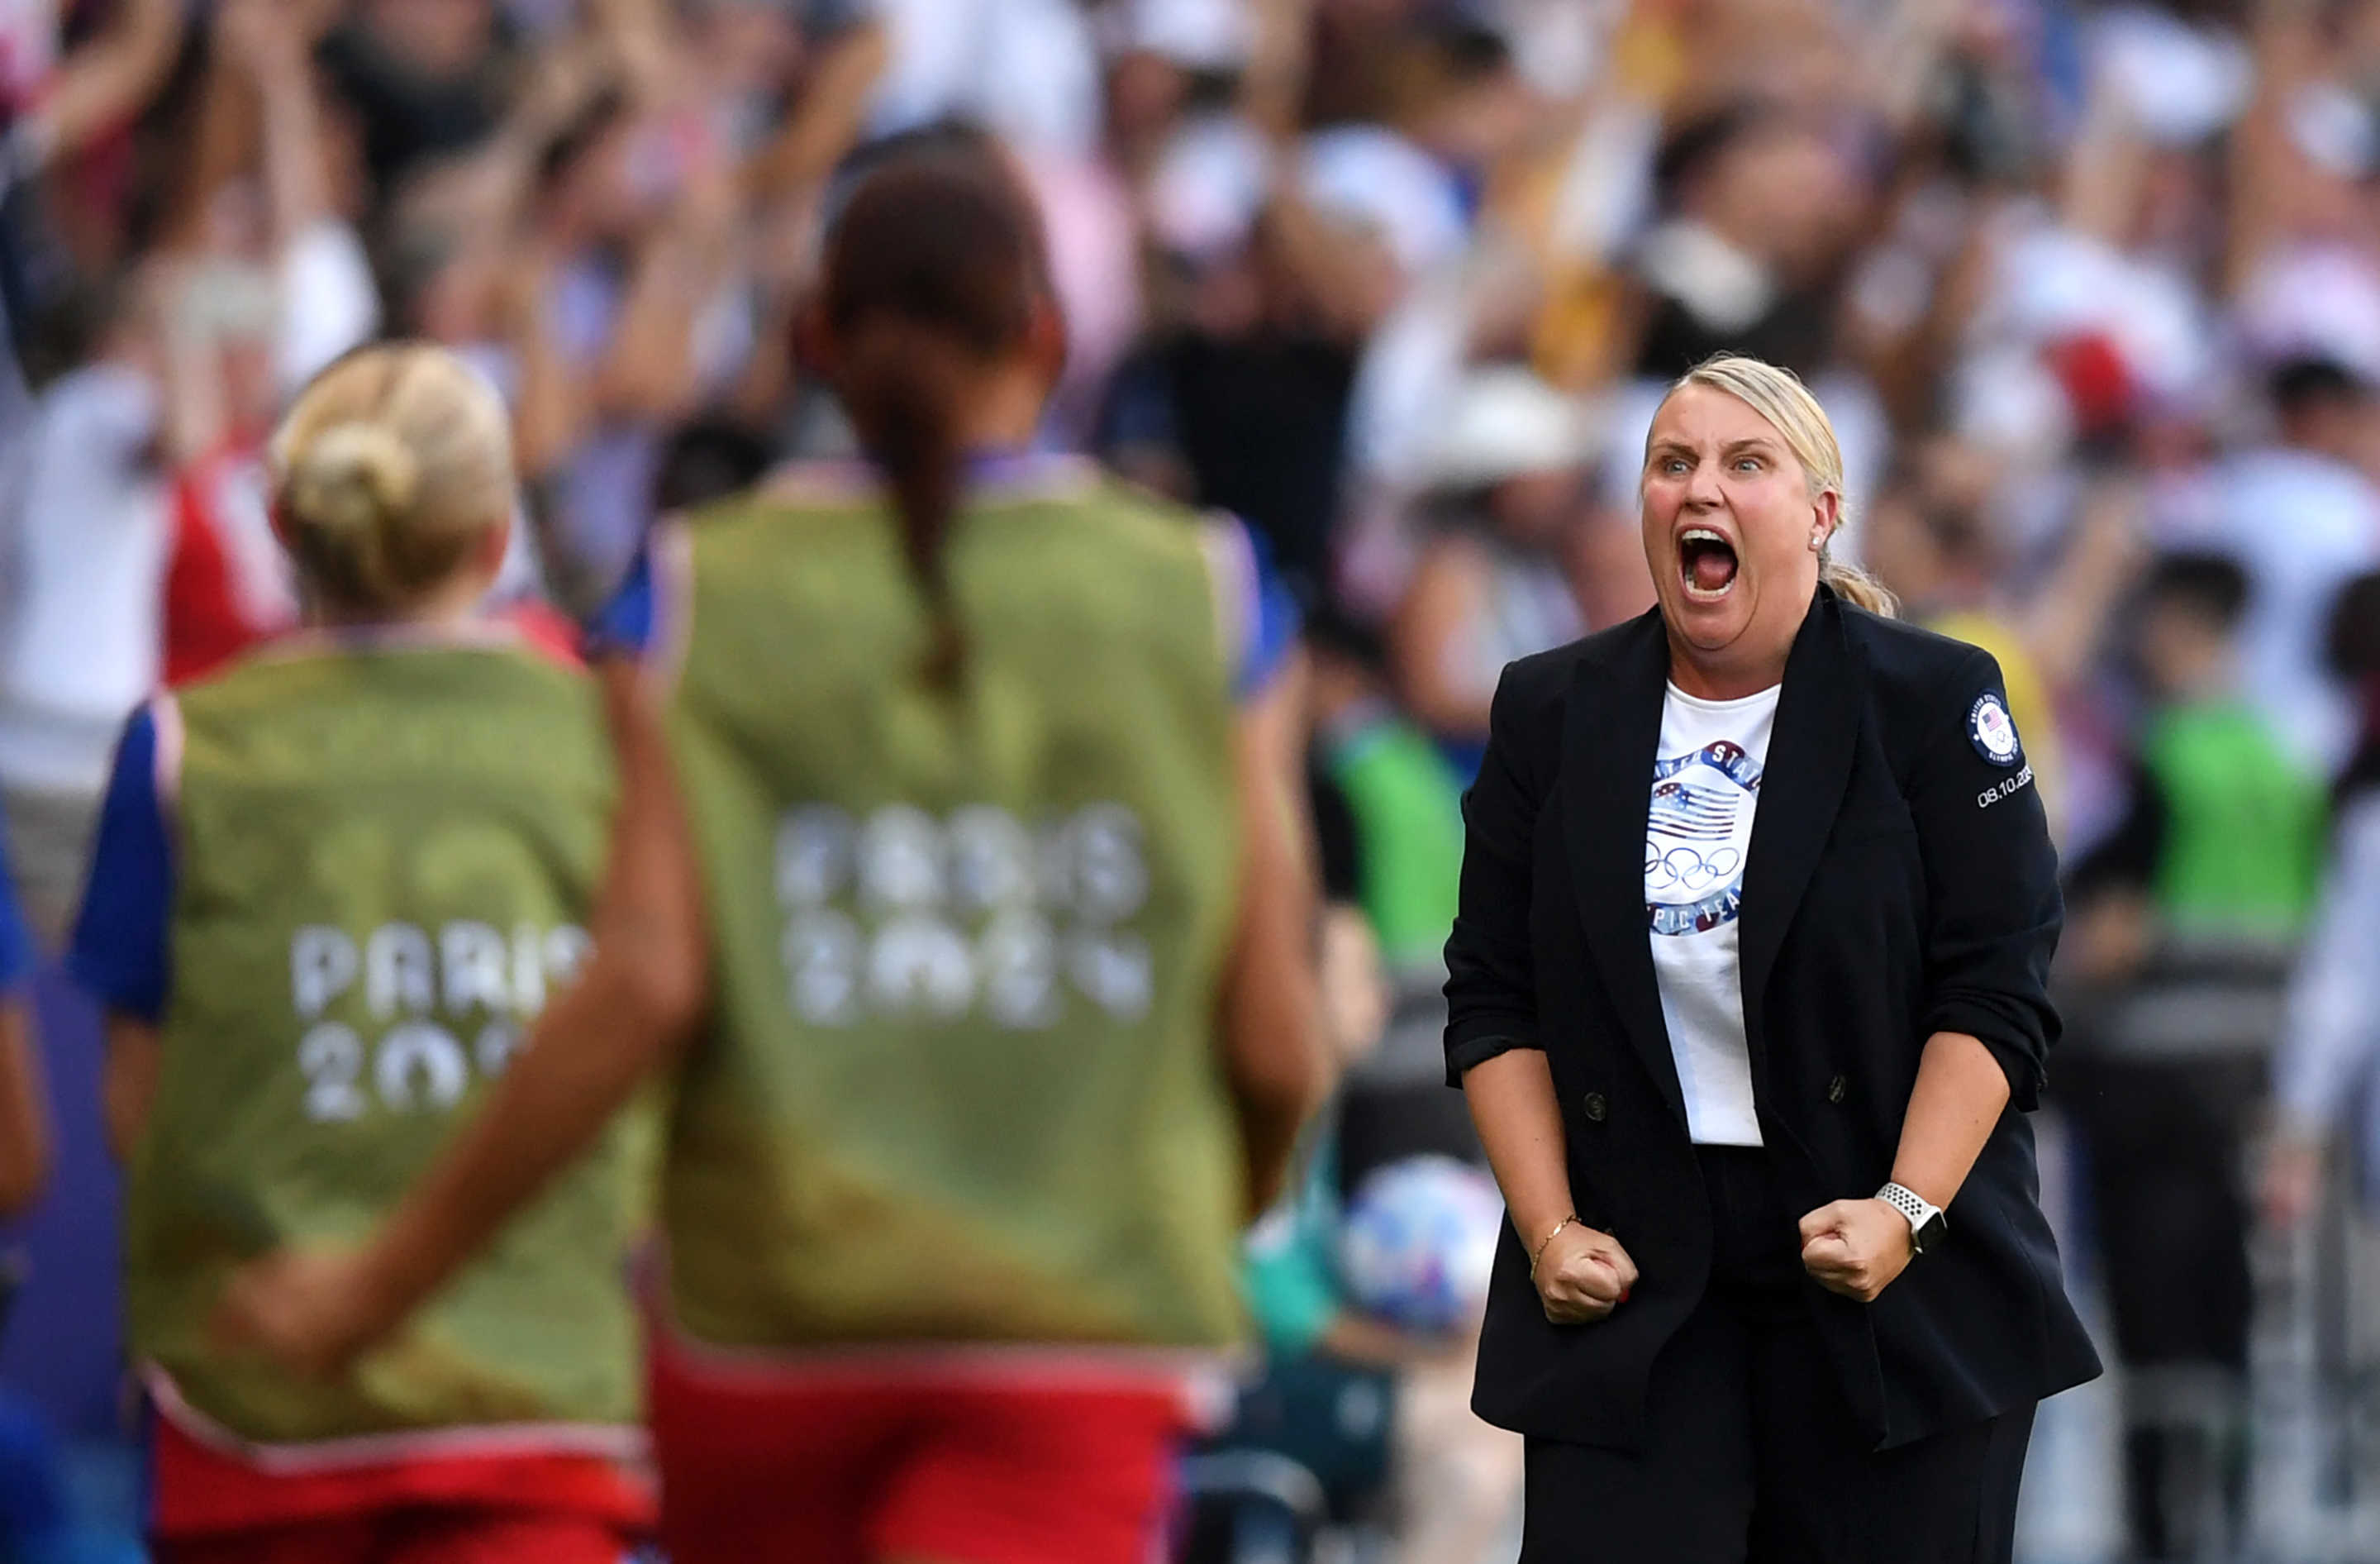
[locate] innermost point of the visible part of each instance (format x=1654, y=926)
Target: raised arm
x=549, y=402
x=651, y=372
x=111, y=80
x=827, y=115
x=275, y=50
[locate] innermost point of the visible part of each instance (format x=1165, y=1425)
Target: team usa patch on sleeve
x=1992, y=731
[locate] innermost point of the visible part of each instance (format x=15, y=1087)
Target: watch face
x=1929, y=1234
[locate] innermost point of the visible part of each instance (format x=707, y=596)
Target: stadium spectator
x=2323, y=1088
x=2190, y=911
x=87, y=537
x=1505, y=491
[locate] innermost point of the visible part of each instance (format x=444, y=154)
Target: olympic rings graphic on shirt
x=1684, y=868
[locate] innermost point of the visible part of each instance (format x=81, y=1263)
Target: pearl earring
x=1817, y=546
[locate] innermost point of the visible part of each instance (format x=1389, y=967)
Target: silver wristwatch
x=1926, y=1223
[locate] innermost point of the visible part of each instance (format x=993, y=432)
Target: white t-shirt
x=1706, y=789
x=2303, y=525
x=82, y=567
x=329, y=301
x=1027, y=70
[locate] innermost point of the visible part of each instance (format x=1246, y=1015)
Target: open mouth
x=1705, y=564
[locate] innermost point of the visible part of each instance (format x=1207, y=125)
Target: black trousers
x=2166, y=1142
x=1753, y=1456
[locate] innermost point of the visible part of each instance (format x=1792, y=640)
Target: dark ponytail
x=934, y=267
x=898, y=389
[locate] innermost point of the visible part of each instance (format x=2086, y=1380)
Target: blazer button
x=1596, y=1107
x=1836, y=1088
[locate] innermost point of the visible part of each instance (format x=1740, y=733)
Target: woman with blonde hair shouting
x=1746, y=992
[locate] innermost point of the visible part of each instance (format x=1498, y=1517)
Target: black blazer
x=1899, y=883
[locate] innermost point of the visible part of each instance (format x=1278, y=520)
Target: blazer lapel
x=1801, y=792
x=1612, y=729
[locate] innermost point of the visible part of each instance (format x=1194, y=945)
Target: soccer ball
x=1418, y=1242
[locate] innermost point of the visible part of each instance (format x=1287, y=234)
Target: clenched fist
x=1856, y=1247
x=1583, y=1275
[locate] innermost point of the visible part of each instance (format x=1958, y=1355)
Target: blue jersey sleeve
x=118, y=953
x=16, y=939
x=624, y=627
x=1269, y=617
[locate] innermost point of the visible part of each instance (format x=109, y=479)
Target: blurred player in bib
x=333, y=886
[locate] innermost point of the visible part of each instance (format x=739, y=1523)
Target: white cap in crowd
x=1507, y=423
x=1206, y=36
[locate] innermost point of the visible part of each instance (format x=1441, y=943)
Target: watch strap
x=1920, y=1212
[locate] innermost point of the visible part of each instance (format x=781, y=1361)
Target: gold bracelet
x=1547, y=1240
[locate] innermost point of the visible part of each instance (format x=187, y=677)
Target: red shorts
x=213, y=1505
x=443, y=1535
x=964, y=1458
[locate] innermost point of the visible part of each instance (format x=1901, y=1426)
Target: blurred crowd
x=2090, y=290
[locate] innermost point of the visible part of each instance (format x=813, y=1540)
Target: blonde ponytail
x=1777, y=394
x=1856, y=587
x=391, y=465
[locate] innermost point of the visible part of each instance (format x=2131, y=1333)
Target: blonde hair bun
x=354, y=478
x=389, y=469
